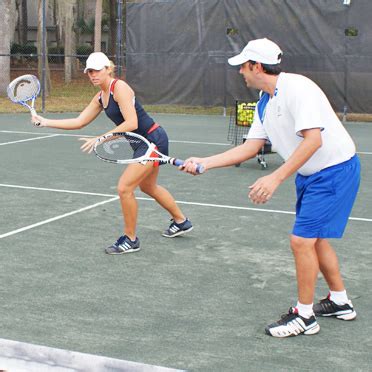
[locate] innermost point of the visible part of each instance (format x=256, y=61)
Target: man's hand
x=190, y=165
x=263, y=189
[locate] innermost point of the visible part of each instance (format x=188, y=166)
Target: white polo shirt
x=300, y=104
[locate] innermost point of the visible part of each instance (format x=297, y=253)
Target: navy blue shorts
x=160, y=138
x=325, y=200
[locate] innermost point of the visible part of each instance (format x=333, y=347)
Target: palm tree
x=66, y=16
x=39, y=42
x=24, y=24
x=111, y=10
x=7, y=27
x=98, y=26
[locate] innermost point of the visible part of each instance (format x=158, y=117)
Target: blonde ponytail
x=112, y=69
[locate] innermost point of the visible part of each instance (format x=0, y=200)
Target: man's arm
x=236, y=155
x=264, y=187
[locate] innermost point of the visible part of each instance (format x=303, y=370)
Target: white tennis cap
x=259, y=50
x=97, y=61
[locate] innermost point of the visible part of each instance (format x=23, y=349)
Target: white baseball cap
x=97, y=61
x=259, y=50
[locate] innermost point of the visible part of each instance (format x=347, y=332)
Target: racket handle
x=34, y=113
x=178, y=162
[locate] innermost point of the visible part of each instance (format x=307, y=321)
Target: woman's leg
x=133, y=175
x=149, y=186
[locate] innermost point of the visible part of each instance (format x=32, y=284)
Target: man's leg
x=337, y=303
x=300, y=319
x=328, y=265
x=307, y=267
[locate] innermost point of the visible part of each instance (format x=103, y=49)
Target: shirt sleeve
x=257, y=130
x=306, y=103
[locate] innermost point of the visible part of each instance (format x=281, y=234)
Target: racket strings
x=24, y=88
x=119, y=147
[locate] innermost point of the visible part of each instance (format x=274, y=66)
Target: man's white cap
x=259, y=50
x=97, y=61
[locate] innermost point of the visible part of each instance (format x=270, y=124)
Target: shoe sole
x=181, y=232
x=123, y=252
x=312, y=331
x=340, y=315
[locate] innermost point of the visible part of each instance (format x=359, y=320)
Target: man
x=294, y=114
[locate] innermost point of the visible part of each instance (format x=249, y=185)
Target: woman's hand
x=88, y=145
x=38, y=121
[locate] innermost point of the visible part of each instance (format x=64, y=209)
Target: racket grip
x=178, y=162
x=34, y=113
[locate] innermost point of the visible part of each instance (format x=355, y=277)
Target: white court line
x=55, y=190
x=202, y=143
x=21, y=356
x=172, y=141
x=29, y=139
x=57, y=218
x=90, y=136
x=278, y=211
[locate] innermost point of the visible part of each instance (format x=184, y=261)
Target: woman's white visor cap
x=97, y=61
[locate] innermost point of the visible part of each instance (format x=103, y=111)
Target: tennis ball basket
x=241, y=119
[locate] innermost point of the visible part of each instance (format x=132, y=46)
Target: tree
x=98, y=26
x=56, y=21
x=112, y=29
x=40, y=46
x=66, y=17
x=7, y=27
x=22, y=27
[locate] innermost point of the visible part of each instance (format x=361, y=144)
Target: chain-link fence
x=52, y=40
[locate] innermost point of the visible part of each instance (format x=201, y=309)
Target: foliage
x=23, y=49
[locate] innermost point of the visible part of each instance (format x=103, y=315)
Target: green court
x=198, y=302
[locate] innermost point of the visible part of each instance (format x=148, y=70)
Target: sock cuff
x=305, y=310
x=339, y=297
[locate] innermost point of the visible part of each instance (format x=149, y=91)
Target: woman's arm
x=85, y=117
x=124, y=96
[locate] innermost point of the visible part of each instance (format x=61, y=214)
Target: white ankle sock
x=339, y=298
x=305, y=311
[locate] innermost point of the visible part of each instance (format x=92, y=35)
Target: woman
x=118, y=101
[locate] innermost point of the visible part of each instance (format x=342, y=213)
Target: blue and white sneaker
x=123, y=245
x=327, y=307
x=176, y=229
x=293, y=324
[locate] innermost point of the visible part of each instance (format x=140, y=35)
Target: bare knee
x=124, y=190
x=299, y=244
x=148, y=189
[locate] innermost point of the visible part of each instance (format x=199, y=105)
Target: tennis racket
x=120, y=148
x=25, y=89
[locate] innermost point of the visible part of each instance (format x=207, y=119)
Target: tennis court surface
x=198, y=302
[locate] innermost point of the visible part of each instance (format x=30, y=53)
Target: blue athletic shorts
x=325, y=200
x=159, y=138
